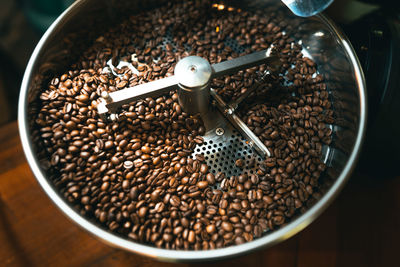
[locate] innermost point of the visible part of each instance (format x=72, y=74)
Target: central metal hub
x=193, y=75
x=193, y=72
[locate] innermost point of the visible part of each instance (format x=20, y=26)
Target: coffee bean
x=115, y=160
x=191, y=237
x=204, y=168
x=134, y=193
x=239, y=240
x=175, y=201
x=199, y=140
x=210, y=228
x=299, y=131
x=70, y=167
x=220, y=176
x=108, y=145
x=70, y=125
x=58, y=134
x=223, y=204
x=239, y=163
x=168, y=47
x=227, y=226
x=125, y=184
x=290, y=168
x=202, y=184
x=201, y=207
x=210, y=178
x=128, y=164
x=200, y=157
x=155, y=195
x=142, y=212
x=105, y=186
x=146, y=149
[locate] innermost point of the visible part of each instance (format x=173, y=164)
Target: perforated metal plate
x=221, y=151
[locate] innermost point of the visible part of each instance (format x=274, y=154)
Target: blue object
x=307, y=8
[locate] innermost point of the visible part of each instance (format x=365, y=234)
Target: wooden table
x=361, y=228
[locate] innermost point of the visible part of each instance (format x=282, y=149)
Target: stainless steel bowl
x=321, y=39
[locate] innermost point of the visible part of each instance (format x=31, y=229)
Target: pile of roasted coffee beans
x=136, y=176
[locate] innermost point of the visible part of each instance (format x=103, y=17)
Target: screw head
x=219, y=131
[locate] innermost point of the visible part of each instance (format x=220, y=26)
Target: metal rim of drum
x=270, y=239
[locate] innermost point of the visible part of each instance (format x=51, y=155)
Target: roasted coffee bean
x=142, y=211
x=220, y=176
x=191, y=237
x=115, y=160
x=175, y=201
x=290, y=167
x=201, y=207
x=146, y=149
x=128, y=164
x=204, y=168
x=108, y=145
x=210, y=228
x=202, y=184
x=210, y=178
x=227, y=226
x=239, y=240
x=200, y=157
x=239, y=163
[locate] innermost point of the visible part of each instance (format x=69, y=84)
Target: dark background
x=22, y=23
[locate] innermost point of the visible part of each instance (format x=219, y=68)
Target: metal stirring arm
x=245, y=62
x=228, y=113
x=192, y=75
x=235, y=103
x=273, y=64
x=111, y=101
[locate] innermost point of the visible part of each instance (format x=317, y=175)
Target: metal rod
x=254, y=141
x=243, y=62
x=124, y=96
x=235, y=103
